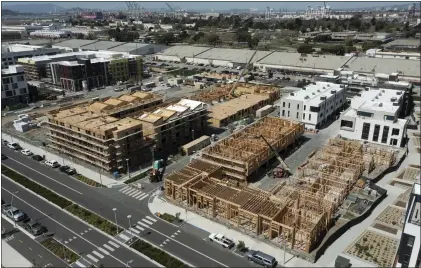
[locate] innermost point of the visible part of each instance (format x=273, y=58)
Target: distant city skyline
x=209, y=6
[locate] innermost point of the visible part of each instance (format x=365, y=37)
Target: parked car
x=67, y=170
x=14, y=146
x=4, y=142
x=222, y=240
x=3, y=156
x=14, y=213
x=26, y=152
x=37, y=157
x=34, y=227
x=52, y=163
x=261, y=258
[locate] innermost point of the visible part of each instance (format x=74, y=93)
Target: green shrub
x=158, y=255
x=60, y=250
x=36, y=188
x=136, y=178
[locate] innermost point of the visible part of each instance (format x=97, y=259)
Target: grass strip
x=136, y=178
x=88, y=181
x=36, y=188
x=93, y=219
x=169, y=218
x=60, y=250
x=158, y=255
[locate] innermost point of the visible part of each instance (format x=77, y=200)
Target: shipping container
x=195, y=145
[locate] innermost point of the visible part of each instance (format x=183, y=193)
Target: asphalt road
x=188, y=245
x=30, y=249
x=75, y=234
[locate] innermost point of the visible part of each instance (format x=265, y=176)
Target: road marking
x=127, y=190
x=124, y=236
x=86, y=231
x=204, y=239
x=108, y=247
x=79, y=264
x=175, y=233
x=144, y=225
x=21, y=241
x=140, y=228
x=178, y=231
x=40, y=256
x=70, y=240
x=124, y=188
x=113, y=244
x=142, y=197
x=131, y=191
x=74, y=237
x=81, y=233
x=134, y=230
x=92, y=258
x=148, y=222
x=65, y=242
x=138, y=194
x=161, y=245
x=150, y=218
x=164, y=243
x=98, y=254
x=44, y=176
x=103, y=251
x=89, y=229
x=172, y=236
x=133, y=194
x=30, y=248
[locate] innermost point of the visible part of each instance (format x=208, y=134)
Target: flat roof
x=128, y=47
x=102, y=45
x=184, y=51
x=313, y=92
x=233, y=55
x=231, y=107
x=403, y=42
x=384, y=65
x=74, y=43
x=377, y=100
x=308, y=61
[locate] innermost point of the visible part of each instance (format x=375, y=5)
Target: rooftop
x=102, y=45
x=128, y=47
x=231, y=107
x=184, y=51
x=384, y=65
x=233, y=55
x=312, y=93
x=403, y=43
x=378, y=100
x=307, y=61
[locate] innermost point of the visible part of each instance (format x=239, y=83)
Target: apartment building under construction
x=101, y=134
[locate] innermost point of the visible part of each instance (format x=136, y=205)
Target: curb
x=70, y=214
x=20, y=228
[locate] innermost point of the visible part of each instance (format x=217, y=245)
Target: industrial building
x=73, y=45
x=373, y=117
x=14, y=88
x=10, y=53
x=176, y=124
x=403, y=45
x=180, y=53
x=101, y=133
x=314, y=104
x=53, y=34
x=295, y=213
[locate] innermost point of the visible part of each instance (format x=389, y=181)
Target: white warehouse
x=373, y=117
x=314, y=104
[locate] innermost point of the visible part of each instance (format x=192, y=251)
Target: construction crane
x=287, y=171
x=134, y=9
x=172, y=9
x=242, y=74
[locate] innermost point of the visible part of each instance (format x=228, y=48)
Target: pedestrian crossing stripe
x=148, y=222
x=134, y=193
x=113, y=244
x=103, y=251
x=137, y=195
x=144, y=225
x=140, y=228
x=79, y=264
x=150, y=218
x=108, y=247
x=143, y=197
x=124, y=236
x=134, y=230
x=98, y=254
x=92, y=258
x=124, y=188
x=131, y=191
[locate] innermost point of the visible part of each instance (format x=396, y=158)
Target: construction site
x=299, y=210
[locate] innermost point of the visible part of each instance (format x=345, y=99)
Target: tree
x=166, y=38
x=305, y=48
x=213, y=40
x=373, y=21
x=243, y=36
x=253, y=42
x=349, y=42
x=80, y=36
x=198, y=36
x=91, y=36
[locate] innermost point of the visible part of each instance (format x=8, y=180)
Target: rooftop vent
x=399, y=93
x=393, y=99
x=380, y=104
x=395, y=104
x=333, y=92
x=323, y=98
x=292, y=94
x=307, y=97
x=303, y=88
x=324, y=88
x=342, y=86
x=314, y=93
x=377, y=97
x=314, y=83
x=383, y=90
x=318, y=90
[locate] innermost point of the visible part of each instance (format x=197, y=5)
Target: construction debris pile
x=297, y=212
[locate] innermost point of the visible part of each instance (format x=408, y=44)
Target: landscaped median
x=88, y=181
x=60, y=250
x=91, y=218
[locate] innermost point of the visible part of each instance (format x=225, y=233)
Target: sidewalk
x=91, y=174
x=11, y=258
x=161, y=206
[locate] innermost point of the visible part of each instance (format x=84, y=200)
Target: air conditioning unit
x=380, y=104
x=292, y=94
x=333, y=92
x=399, y=93
x=307, y=97
x=383, y=90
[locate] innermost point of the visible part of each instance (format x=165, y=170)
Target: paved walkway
x=11, y=258
x=158, y=205
x=91, y=174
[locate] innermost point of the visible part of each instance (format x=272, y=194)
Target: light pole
x=11, y=206
x=115, y=217
x=128, y=170
x=130, y=225
x=127, y=264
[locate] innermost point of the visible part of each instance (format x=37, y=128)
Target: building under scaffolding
x=298, y=212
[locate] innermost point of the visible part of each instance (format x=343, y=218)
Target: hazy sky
x=216, y=5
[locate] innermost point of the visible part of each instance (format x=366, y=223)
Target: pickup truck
x=34, y=227
x=13, y=213
x=222, y=240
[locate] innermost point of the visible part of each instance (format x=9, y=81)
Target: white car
x=52, y=163
x=14, y=146
x=222, y=240
x=26, y=152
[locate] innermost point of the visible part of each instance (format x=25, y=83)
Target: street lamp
x=128, y=170
x=127, y=264
x=11, y=205
x=130, y=225
x=115, y=217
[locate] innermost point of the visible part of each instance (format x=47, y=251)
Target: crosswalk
x=134, y=192
x=140, y=227
x=96, y=255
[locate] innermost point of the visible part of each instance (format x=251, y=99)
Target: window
x=298, y=106
x=9, y=93
x=283, y=112
x=6, y=80
x=20, y=78
x=346, y=123
x=395, y=131
x=304, y=116
x=314, y=109
x=389, y=117
x=283, y=104
x=305, y=106
x=289, y=105
x=365, y=114
x=22, y=91
x=298, y=114
x=14, y=85
x=366, y=131
x=309, y=117
x=288, y=113
x=6, y=87
x=385, y=134
x=376, y=132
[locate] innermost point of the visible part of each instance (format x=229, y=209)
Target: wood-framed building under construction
x=297, y=212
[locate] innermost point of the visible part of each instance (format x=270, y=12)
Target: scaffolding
x=296, y=213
